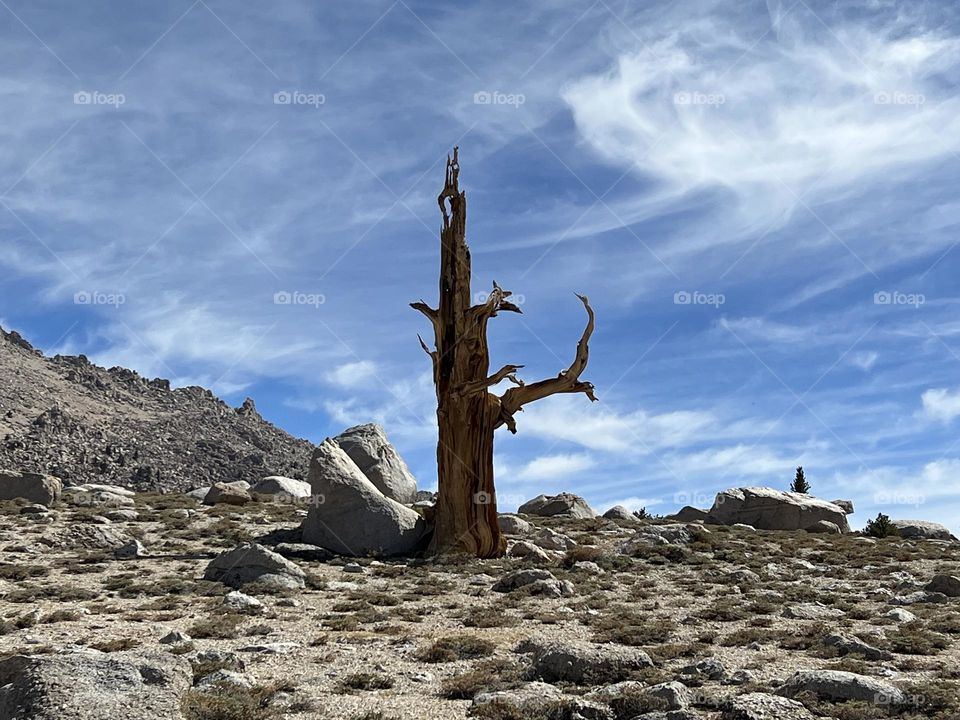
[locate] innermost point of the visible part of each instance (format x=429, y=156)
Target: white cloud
x=738, y=460
x=941, y=404
x=634, y=503
x=864, y=360
x=934, y=482
x=552, y=467
x=353, y=374
x=784, y=117
x=758, y=328
x=578, y=421
x=405, y=408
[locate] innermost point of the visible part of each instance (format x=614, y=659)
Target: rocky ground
x=600, y=618
x=67, y=417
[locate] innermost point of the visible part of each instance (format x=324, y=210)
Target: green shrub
x=880, y=527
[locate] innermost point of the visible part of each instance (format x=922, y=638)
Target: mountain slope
x=83, y=423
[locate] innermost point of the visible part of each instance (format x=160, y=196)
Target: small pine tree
x=800, y=484
x=641, y=514
x=880, y=527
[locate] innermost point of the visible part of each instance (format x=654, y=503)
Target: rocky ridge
x=65, y=416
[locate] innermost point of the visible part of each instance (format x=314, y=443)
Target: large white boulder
x=37, y=488
x=253, y=563
x=227, y=494
x=98, y=495
x=281, y=489
x=619, y=512
x=350, y=515
x=379, y=461
x=562, y=505
x=922, y=529
x=770, y=509
x=87, y=685
x=840, y=685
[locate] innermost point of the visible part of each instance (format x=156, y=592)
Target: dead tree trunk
x=467, y=413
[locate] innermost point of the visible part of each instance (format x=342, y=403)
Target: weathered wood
x=467, y=413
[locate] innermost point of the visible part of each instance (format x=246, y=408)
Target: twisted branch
x=567, y=381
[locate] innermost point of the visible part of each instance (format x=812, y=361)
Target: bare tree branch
x=567, y=381
x=507, y=372
x=496, y=302
x=425, y=309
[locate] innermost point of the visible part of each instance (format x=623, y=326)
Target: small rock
x=744, y=576
x=530, y=552
x=674, y=695
x=131, y=550
x=223, y=658
x=949, y=585
x=552, y=540
x=901, y=615
x=921, y=596
x=709, y=669
x=846, y=505
x=838, y=685
x=740, y=677
x=277, y=648
x=824, y=526
x=763, y=706
x=122, y=515
x=239, y=602
x=353, y=568
x=520, y=578
x=847, y=644
x=513, y=525
x=812, y=611
x=225, y=677
x=175, y=638
x=303, y=551
x=34, y=510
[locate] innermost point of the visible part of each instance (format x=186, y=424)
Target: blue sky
x=759, y=200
